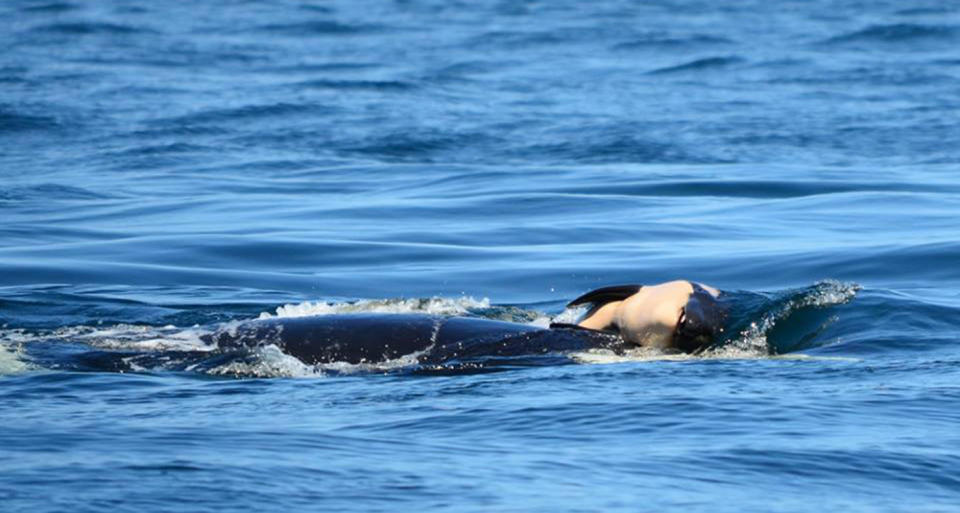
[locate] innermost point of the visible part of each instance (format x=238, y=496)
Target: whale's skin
x=370, y=338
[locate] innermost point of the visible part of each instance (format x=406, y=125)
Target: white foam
x=806, y=357
x=120, y=336
x=433, y=305
x=135, y=337
x=270, y=362
x=570, y=315
x=639, y=354
x=11, y=353
x=407, y=360
x=828, y=293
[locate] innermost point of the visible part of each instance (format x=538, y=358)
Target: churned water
x=169, y=168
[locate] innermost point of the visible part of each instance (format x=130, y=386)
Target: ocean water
x=169, y=168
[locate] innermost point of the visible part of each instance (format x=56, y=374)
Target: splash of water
x=432, y=305
x=753, y=341
x=135, y=337
x=11, y=349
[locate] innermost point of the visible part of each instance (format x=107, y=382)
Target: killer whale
x=677, y=315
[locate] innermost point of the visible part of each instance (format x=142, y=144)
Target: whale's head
x=700, y=322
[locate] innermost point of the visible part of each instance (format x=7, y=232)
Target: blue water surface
x=169, y=168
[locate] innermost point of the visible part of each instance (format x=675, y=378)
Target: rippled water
x=168, y=168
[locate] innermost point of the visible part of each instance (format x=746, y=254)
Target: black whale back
x=368, y=338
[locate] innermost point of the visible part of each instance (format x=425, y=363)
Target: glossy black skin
x=369, y=338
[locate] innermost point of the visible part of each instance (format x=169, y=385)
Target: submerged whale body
x=430, y=339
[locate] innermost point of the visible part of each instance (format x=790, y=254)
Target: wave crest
x=898, y=32
x=758, y=338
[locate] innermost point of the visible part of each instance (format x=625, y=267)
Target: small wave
x=246, y=112
x=660, y=42
x=53, y=7
x=323, y=67
x=718, y=188
x=749, y=188
x=85, y=28
x=433, y=305
x=706, y=64
x=176, y=130
x=317, y=8
x=896, y=33
x=754, y=339
x=469, y=67
x=12, y=121
x=866, y=75
x=165, y=149
x=319, y=28
x=520, y=39
x=12, y=75
x=615, y=148
x=415, y=146
x=356, y=85
x=783, y=63
x=925, y=11
x=49, y=192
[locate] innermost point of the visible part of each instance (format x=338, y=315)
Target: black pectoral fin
x=565, y=326
x=606, y=295
x=577, y=327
